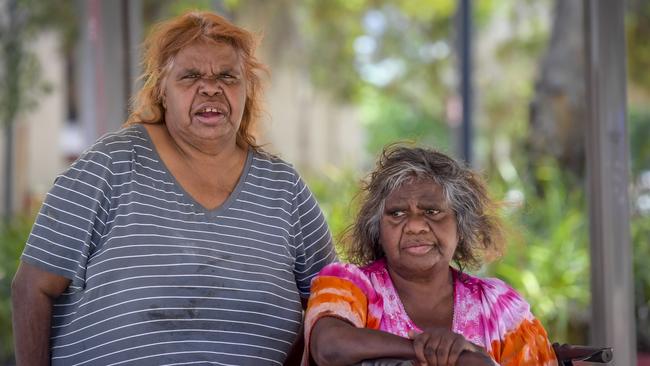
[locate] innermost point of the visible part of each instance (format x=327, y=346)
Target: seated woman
x=421, y=211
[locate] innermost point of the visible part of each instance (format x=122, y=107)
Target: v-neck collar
x=397, y=302
x=199, y=208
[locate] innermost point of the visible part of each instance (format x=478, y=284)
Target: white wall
x=45, y=123
x=38, y=156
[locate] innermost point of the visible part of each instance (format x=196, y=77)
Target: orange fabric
x=346, y=293
x=488, y=312
x=337, y=297
x=527, y=345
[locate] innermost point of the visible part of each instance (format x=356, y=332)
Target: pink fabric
x=487, y=312
x=484, y=309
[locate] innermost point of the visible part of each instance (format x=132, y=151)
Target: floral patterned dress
x=487, y=312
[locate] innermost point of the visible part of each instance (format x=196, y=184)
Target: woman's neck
x=428, y=299
x=215, y=156
x=209, y=177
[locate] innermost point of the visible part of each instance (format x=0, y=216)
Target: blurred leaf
x=335, y=189
x=548, y=262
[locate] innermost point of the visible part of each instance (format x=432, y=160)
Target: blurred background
x=348, y=77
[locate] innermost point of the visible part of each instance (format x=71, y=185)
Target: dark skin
x=32, y=293
x=295, y=354
x=418, y=236
x=336, y=342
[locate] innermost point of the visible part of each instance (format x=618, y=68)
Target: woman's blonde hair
x=171, y=36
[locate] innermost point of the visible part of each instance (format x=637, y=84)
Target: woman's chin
x=424, y=265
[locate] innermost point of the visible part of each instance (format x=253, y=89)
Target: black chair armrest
x=466, y=358
x=567, y=353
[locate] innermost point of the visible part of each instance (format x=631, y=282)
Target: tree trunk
x=557, y=111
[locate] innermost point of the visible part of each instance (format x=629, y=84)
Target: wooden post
x=608, y=174
x=466, y=87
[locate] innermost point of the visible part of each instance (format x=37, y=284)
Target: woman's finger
x=419, y=342
x=431, y=349
x=457, y=347
x=444, y=348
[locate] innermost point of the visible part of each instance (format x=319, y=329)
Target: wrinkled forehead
x=398, y=181
x=206, y=56
x=415, y=187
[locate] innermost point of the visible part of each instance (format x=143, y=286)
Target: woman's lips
x=418, y=249
x=210, y=117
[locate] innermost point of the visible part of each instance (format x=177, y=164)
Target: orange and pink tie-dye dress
x=487, y=312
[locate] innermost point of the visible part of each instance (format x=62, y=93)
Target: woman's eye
x=228, y=79
x=191, y=76
x=396, y=213
x=432, y=212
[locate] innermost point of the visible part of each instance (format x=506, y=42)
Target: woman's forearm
x=31, y=316
x=32, y=293
x=336, y=342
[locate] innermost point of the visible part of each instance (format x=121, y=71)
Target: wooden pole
x=607, y=145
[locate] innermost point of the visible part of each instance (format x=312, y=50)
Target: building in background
x=90, y=89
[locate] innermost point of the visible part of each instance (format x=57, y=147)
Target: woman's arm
x=337, y=342
x=32, y=292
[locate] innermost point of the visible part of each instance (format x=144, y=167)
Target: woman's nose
x=416, y=224
x=210, y=87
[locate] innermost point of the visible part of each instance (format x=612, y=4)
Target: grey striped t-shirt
x=159, y=280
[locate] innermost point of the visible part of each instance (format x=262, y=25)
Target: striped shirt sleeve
x=72, y=218
x=312, y=241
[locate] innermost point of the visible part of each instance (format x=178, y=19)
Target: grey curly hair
x=479, y=227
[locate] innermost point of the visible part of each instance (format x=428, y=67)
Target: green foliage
x=639, y=128
x=21, y=83
x=639, y=132
x=547, y=254
x=330, y=29
x=179, y=7
x=400, y=48
x=58, y=16
x=336, y=189
x=389, y=119
x=641, y=246
x=638, y=55
x=12, y=241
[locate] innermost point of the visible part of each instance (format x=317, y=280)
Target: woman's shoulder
x=126, y=139
x=98, y=161
x=269, y=166
x=272, y=162
x=341, y=270
x=348, y=272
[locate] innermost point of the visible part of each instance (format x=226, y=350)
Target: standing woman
x=176, y=240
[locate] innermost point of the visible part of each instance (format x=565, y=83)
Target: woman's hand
x=440, y=347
